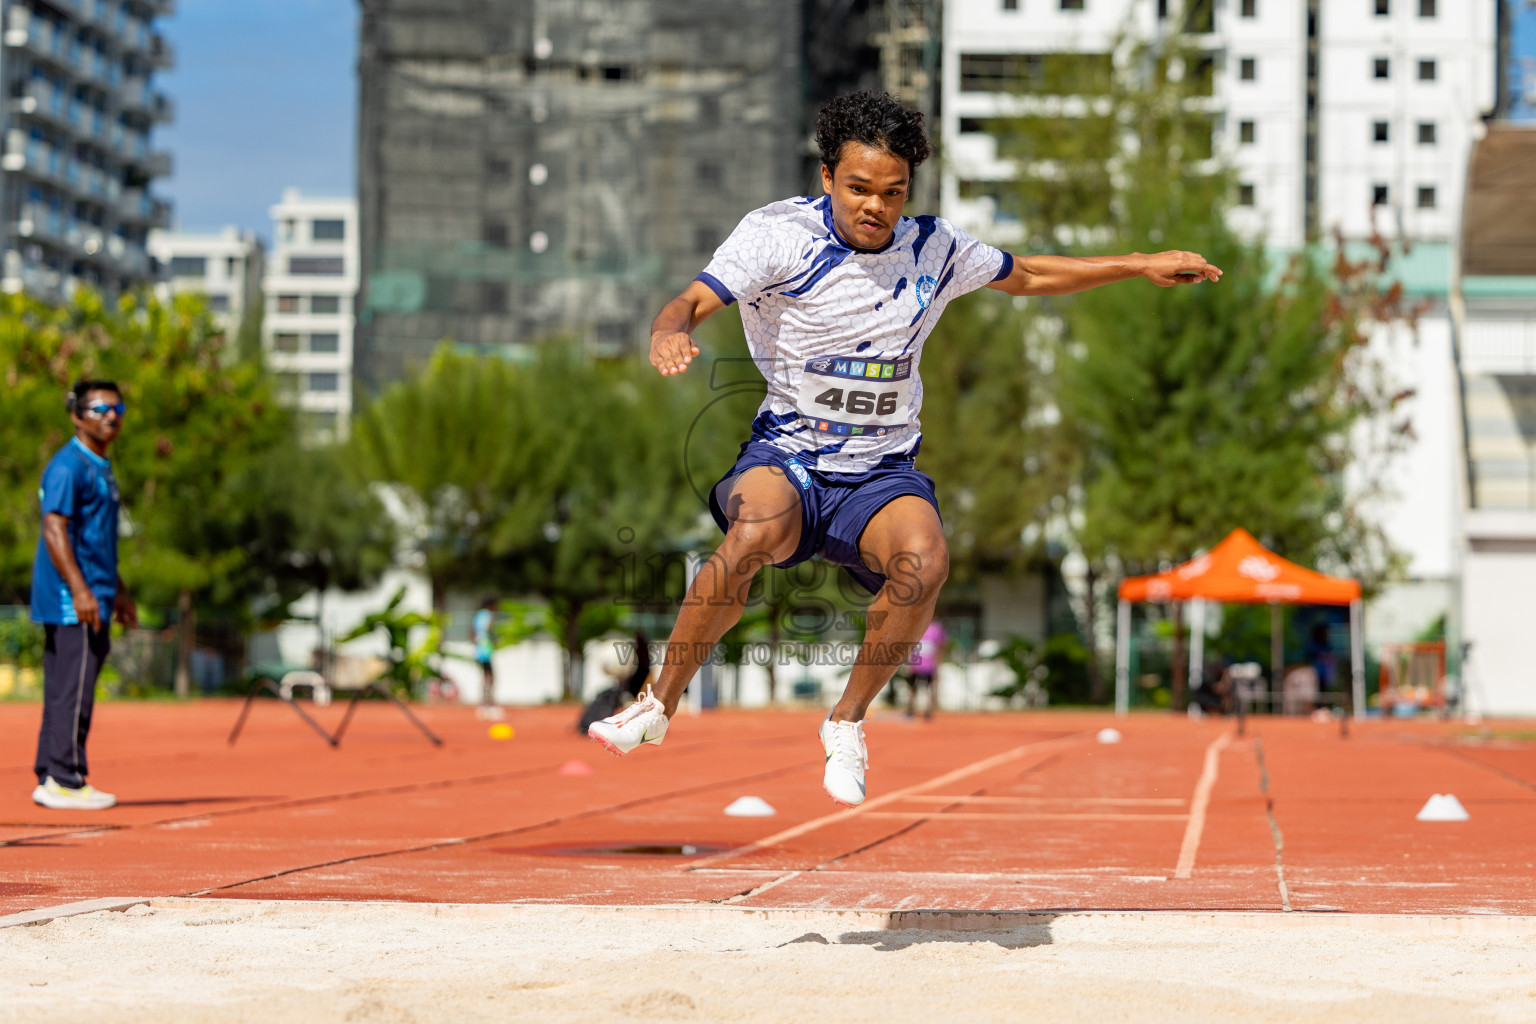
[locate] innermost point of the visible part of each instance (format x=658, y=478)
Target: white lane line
x=1020, y=816
x=1108, y=801
x=974, y=768
x=1197, y=806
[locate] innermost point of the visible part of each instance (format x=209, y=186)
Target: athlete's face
x=868, y=190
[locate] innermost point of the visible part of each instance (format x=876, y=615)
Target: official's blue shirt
x=79, y=484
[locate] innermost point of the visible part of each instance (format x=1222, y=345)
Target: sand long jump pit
x=199, y=960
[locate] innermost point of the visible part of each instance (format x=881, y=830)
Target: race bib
x=856, y=396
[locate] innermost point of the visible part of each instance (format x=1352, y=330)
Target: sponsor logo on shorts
x=821, y=364
x=798, y=472
x=858, y=430
x=879, y=431
x=823, y=425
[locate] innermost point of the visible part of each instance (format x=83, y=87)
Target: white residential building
x=311, y=288
x=1335, y=115
x=226, y=267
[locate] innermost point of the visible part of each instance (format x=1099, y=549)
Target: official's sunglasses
x=100, y=409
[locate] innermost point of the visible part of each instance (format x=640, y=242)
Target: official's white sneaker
x=644, y=721
x=847, y=758
x=63, y=798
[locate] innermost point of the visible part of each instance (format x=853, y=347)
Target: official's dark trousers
x=72, y=659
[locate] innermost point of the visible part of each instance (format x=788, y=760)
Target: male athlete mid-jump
x=838, y=295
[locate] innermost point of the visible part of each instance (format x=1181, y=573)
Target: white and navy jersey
x=838, y=331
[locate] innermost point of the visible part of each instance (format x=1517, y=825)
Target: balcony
x=42, y=39
x=44, y=100
x=162, y=53
x=154, y=163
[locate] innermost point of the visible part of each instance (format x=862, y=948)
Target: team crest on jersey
x=924, y=290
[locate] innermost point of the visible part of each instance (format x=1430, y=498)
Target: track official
x=76, y=591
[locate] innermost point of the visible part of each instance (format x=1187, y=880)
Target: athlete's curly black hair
x=877, y=120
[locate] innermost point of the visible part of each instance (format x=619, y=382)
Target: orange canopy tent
x=1239, y=570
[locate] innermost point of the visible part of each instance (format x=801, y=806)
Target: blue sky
x=266, y=98
x=1524, y=45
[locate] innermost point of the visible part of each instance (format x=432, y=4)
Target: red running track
x=974, y=812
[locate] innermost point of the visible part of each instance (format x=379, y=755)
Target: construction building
x=76, y=204
x=537, y=168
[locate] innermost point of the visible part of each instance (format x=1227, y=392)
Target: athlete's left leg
x=905, y=543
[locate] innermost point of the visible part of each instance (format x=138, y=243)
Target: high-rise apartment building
x=80, y=104
x=226, y=267
x=311, y=289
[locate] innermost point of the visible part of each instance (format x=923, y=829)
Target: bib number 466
x=859, y=402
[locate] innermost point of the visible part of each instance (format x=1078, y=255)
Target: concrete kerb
x=113, y=903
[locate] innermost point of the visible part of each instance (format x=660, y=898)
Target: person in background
x=925, y=665
x=76, y=592
x=485, y=648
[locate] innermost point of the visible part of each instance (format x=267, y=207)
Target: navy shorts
x=834, y=507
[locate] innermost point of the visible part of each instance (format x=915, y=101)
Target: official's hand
x=125, y=611
x=87, y=609
x=672, y=351
x=1166, y=269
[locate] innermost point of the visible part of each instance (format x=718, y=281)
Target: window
x=1378, y=195
x=288, y=303
x=218, y=303
x=1060, y=74
x=1162, y=8
x=325, y=342
x=230, y=266
x=494, y=232
x=709, y=172
x=325, y=303
x=316, y=266
x=1245, y=195
x=328, y=230
x=1246, y=132
x=1072, y=5
x=971, y=126
x=498, y=168
x=1383, y=8
x=1248, y=69
x=1426, y=71
x=189, y=266
x=285, y=342
x=618, y=73
x=1426, y=197
x=1426, y=133
x=1250, y=8
x=323, y=382
x=1381, y=67
x=288, y=230
x=1010, y=5
x=705, y=238
x=1426, y=8
x=493, y=297
x=1380, y=131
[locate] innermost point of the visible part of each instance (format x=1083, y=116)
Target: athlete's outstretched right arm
x=672, y=347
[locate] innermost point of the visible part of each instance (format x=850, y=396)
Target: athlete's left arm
x=1063, y=275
